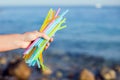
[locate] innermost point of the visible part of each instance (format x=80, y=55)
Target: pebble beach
x=67, y=66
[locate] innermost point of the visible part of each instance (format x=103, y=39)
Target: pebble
x=108, y=74
x=59, y=74
x=19, y=69
x=3, y=60
x=117, y=68
x=86, y=75
x=47, y=72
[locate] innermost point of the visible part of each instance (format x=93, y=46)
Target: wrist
x=20, y=40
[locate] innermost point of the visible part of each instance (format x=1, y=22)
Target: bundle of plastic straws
x=52, y=23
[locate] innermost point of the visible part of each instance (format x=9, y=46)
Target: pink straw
x=53, y=20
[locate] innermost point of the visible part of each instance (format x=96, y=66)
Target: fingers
x=51, y=40
x=43, y=35
x=47, y=45
x=30, y=36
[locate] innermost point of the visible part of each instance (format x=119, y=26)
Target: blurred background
x=89, y=46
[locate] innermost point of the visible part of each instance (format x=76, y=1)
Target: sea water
x=90, y=30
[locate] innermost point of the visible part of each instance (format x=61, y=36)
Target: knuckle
x=35, y=31
x=43, y=34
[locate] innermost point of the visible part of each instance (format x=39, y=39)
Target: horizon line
x=56, y=5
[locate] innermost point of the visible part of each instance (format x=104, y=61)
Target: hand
x=28, y=37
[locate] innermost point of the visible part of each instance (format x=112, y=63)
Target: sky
x=58, y=2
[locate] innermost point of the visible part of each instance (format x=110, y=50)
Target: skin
x=16, y=41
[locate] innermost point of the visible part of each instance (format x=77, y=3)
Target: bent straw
x=43, y=26
x=51, y=25
x=27, y=51
x=39, y=49
x=47, y=18
x=41, y=30
x=53, y=20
